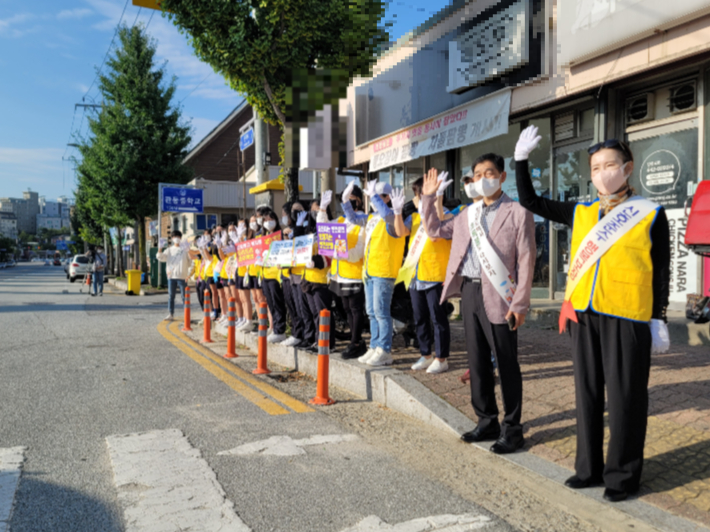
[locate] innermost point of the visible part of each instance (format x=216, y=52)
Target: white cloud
x=200, y=128
x=32, y=166
x=8, y=25
x=77, y=13
x=83, y=88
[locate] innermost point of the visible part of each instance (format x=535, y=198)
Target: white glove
x=661, y=338
x=443, y=184
x=301, y=220
x=348, y=191
x=310, y=264
x=370, y=188
x=184, y=244
x=528, y=141
x=397, y=198
x=234, y=237
x=325, y=199
x=241, y=231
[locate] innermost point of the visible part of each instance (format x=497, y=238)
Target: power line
x=137, y=15
x=151, y=18
x=193, y=90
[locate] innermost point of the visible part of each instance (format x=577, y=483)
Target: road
x=113, y=421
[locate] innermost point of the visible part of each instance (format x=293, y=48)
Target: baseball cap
x=383, y=189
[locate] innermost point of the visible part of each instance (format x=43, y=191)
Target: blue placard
x=247, y=139
x=182, y=199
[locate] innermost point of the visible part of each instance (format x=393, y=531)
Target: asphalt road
x=205, y=448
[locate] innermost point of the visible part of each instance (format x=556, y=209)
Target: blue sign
x=62, y=246
x=247, y=139
x=181, y=199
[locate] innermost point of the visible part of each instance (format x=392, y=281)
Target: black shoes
x=507, y=446
x=577, y=483
x=354, y=351
x=480, y=434
x=613, y=495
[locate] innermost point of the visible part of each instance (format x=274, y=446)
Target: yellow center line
x=284, y=398
x=267, y=405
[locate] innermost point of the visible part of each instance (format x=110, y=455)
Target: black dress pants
x=617, y=353
x=301, y=301
x=200, y=287
x=354, y=306
x=319, y=298
x=296, y=323
x=427, y=308
x=277, y=305
x=482, y=337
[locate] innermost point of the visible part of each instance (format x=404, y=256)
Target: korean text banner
x=333, y=240
x=280, y=254
x=181, y=199
x=302, y=250
x=481, y=120
x=252, y=251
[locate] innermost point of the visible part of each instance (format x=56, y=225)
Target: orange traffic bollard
x=186, y=326
x=322, y=397
x=231, y=324
x=207, y=337
x=261, y=361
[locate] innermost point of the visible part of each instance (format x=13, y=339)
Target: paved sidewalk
x=676, y=474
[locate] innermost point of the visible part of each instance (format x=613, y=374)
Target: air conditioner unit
x=640, y=108
x=683, y=98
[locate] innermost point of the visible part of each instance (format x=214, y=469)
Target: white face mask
x=270, y=224
x=487, y=187
x=284, y=220
x=259, y=220
x=471, y=192
x=254, y=226
x=176, y=240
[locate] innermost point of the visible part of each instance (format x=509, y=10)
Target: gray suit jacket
x=513, y=238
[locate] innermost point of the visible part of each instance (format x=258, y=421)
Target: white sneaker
x=275, y=338
x=438, y=366
x=291, y=341
x=246, y=325
x=423, y=363
x=240, y=322
x=367, y=356
x=213, y=316
x=381, y=358
x=169, y=317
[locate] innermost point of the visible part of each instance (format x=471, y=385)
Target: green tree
x=7, y=249
x=137, y=140
x=258, y=44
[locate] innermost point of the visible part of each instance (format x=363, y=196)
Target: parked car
x=11, y=264
x=79, y=267
x=67, y=263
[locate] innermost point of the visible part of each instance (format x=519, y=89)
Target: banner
x=174, y=199
x=231, y=267
x=302, y=250
x=252, y=251
x=333, y=240
x=280, y=254
x=481, y=120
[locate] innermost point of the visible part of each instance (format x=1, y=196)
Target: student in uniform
x=271, y=286
x=287, y=225
x=615, y=308
x=425, y=280
x=299, y=217
x=210, y=254
x=256, y=270
x=223, y=290
x=244, y=233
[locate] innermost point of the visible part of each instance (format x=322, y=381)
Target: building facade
x=581, y=73
x=25, y=210
x=8, y=225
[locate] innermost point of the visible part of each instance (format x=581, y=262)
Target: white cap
x=383, y=189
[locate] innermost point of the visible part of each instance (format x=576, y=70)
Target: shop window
x=205, y=221
x=397, y=176
x=229, y=218
x=413, y=171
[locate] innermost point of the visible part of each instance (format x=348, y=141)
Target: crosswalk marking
x=11, y=460
x=442, y=523
x=164, y=484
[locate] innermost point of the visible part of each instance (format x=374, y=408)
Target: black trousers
x=296, y=323
x=277, y=305
x=354, y=306
x=319, y=298
x=426, y=307
x=200, y=287
x=617, y=353
x=482, y=337
x=304, y=310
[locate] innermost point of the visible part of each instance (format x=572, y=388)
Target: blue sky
x=49, y=51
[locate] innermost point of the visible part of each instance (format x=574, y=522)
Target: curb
x=402, y=393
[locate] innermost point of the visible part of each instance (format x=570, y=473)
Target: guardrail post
x=231, y=324
x=261, y=359
x=207, y=337
x=322, y=397
x=186, y=325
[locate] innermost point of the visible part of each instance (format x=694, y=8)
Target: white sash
x=491, y=263
x=619, y=221
x=416, y=246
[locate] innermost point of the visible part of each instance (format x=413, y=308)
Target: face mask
x=610, y=181
x=270, y=225
x=259, y=220
x=284, y=220
x=176, y=240
x=254, y=226
x=487, y=187
x=471, y=192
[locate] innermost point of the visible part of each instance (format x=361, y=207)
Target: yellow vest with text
x=316, y=275
x=621, y=284
x=384, y=253
x=343, y=268
x=434, y=257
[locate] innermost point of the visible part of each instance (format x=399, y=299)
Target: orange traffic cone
x=261, y=361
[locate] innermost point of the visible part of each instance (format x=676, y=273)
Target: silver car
x=79, y=267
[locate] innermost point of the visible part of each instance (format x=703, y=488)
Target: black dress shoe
x=303, y=344
x=506, y=446
x=480, y=434
x=613, y=495
x=354, y=351
x=577, y=483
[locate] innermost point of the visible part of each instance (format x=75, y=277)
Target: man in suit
x=494, y=279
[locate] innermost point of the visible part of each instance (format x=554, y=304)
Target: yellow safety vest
x=384, y=253
x=210, y=267
x=198, y=264
x=621, y=285
x=434, y=257
x=242, y=271
x=343, y=268
x=316, y=275
x=223, y=271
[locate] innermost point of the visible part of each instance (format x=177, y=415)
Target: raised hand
x=431, y=182
x=301, y=220
x=370, y=188
x=397, y=198
x=528, y=141
x=443, y=184
x=325, y=199
x=348, y=191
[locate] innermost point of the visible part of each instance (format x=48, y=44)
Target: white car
x=79, y=267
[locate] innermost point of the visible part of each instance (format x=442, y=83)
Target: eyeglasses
x=610, y=144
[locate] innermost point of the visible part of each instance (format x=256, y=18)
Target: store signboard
x=493, y=47
x=684, y=263
x=587, y=28
x=482, y=120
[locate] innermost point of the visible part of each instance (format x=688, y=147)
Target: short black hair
x=417, y=186
x=176, y=233
x=494, y=158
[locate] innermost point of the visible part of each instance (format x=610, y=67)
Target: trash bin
x=134, y=282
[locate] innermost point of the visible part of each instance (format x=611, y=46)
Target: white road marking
x=11, y=460
x=286, y=446
x=165, y=485
x=441, y=523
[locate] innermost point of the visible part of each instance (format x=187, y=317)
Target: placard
x=231, y=267
x=280, y=254
x=303, y=250
x=251, y=251
x=333, y=240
